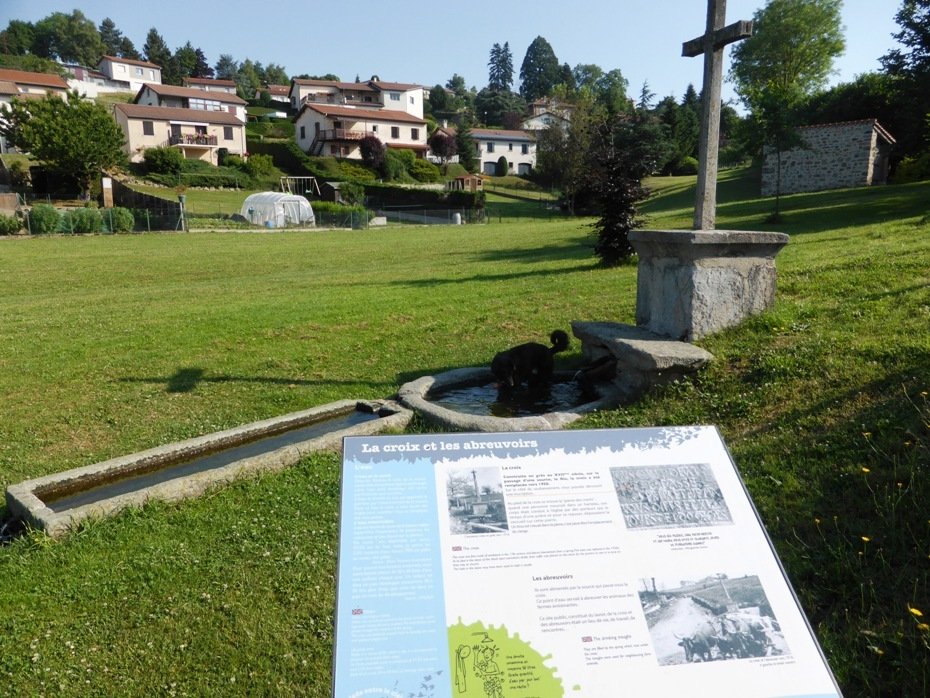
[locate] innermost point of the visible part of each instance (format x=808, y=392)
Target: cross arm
x=720, y=38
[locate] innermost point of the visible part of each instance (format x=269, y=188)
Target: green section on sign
x=488, y=662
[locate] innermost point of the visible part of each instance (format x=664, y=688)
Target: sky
x=424, y=43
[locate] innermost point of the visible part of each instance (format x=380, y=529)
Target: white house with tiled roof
x=24, y=84
x=197, y=133
x=132, y=72
x=373, y=94
x=336, y=130
x=191, y=98
x=211, y=85
x=518, y=147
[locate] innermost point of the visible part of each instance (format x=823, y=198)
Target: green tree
x=111, y=37
x=202, y=68
x=274, y=74
x=226, y=67
x=155, y=49
x=466, y=148
x=248, y=79
x=183, y=64
x=610, y=92
x=540, y=70
x=500, y=67
x=127, y=49
x=562, y=153
x=910, y=67
x=68, y=38
x=75, y=138
x=499, y=107
x=627, y=149
x=18, y=38
x=789, y=56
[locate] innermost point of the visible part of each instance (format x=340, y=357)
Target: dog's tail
x=559, y=341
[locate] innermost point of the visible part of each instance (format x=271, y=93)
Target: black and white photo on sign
x=475, y=498
x=713, y=617
x=666, y=496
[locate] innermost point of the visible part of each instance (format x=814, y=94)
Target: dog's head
x=503, y=368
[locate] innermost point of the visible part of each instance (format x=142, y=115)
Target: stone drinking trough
x=58, y=503
x=636, y=358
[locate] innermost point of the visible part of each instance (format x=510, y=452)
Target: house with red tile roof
x=518, y=147
x=373, y=94
x=196, y=133
x=24, y=84
x=129, y=71
x=158, y=95
x=337, y=130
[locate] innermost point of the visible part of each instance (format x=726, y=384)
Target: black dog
x=529, y=363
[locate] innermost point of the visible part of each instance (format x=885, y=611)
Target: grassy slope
x=111, y=345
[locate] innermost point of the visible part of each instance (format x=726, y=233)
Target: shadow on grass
x=493, y=277
x=185, y=380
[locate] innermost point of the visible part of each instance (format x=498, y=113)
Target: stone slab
x=644, y=359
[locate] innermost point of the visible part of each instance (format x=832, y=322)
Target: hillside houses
x=24, y=84
x=323, y=129
x=192, y=98
x=197, y=133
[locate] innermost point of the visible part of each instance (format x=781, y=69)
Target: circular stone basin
x=466, y=399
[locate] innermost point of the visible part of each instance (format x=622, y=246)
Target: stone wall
x=849, y=154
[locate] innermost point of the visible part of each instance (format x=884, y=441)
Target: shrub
x=120, y=220
x=352, y=192
x=424, y=171
x=19, y=176
x=43, y=218
x=82, y=220
x=9, y=225
x=259, y=165
x=163, y=160
x=347, y=169
x=372, y=150
x=912, y=169
x=502, y=167
x=686, y=166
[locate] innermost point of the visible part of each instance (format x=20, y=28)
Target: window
x=490, y=147
x=395, y=131
x=227, y=133
x=374, y=128
x=414, y=134
x=524, y=148
x=395, y=96
x=152, y=75
x=139, y=72
x=412, y=100
x=148, y=128
x=121, y=69
x=510, y=147
x=303, y=132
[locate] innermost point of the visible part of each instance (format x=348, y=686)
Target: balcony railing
x=342, y=134
x=192, y=139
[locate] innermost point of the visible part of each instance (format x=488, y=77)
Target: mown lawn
x=109, y=345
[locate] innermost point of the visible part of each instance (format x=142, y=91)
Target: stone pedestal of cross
x=711, y=45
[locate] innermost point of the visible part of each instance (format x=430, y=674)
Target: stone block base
x=693, y=283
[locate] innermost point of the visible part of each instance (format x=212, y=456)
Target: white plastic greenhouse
x=274, y=209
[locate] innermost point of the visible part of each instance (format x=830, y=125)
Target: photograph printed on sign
x=669, y=496
x=714, y=618
x=475, y=499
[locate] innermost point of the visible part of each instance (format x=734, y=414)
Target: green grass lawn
x=822, y=401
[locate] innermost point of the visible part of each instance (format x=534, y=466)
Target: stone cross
x=711, y=45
